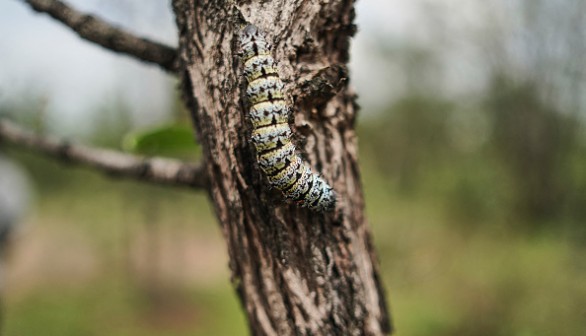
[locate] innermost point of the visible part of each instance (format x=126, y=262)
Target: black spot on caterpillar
x=271, y=134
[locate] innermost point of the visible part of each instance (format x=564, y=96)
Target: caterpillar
x=271, y=135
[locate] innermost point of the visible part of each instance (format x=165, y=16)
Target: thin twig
x=100, y=32
x=156, y=170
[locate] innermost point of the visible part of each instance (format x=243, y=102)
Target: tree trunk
x=297, y=272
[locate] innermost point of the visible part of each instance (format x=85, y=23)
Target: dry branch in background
x=100, y=32
x=156, y=170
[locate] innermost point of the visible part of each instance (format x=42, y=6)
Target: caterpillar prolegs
x=271, y=135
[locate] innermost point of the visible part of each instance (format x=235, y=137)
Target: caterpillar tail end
x=326, y=203
x=329, y=204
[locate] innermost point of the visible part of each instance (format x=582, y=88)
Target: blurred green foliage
x=168, y=140
x=459, y=254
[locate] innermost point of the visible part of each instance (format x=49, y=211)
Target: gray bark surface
x=296, y=272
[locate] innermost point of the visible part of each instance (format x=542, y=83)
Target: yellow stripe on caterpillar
x=257, y=66
x=264, y=89
x=267, y=113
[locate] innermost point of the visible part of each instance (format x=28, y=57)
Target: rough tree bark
x=296, y=272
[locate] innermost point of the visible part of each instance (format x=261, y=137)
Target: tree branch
x=324, y=85
x=155, y=170
x=112, y=38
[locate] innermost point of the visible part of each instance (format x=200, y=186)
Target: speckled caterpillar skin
x=271, y=134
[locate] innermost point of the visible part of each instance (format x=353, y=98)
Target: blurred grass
x=115, y=308
x=106, y=256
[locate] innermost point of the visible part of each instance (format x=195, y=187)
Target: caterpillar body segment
x=271, y=135
x=261, y=65
x=264, y=89
x=269, y=113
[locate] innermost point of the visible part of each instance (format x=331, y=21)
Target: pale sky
x=42, y=57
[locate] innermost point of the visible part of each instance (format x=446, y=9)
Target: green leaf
x=167, y=140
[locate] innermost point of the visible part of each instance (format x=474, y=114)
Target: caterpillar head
x=252, y=43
